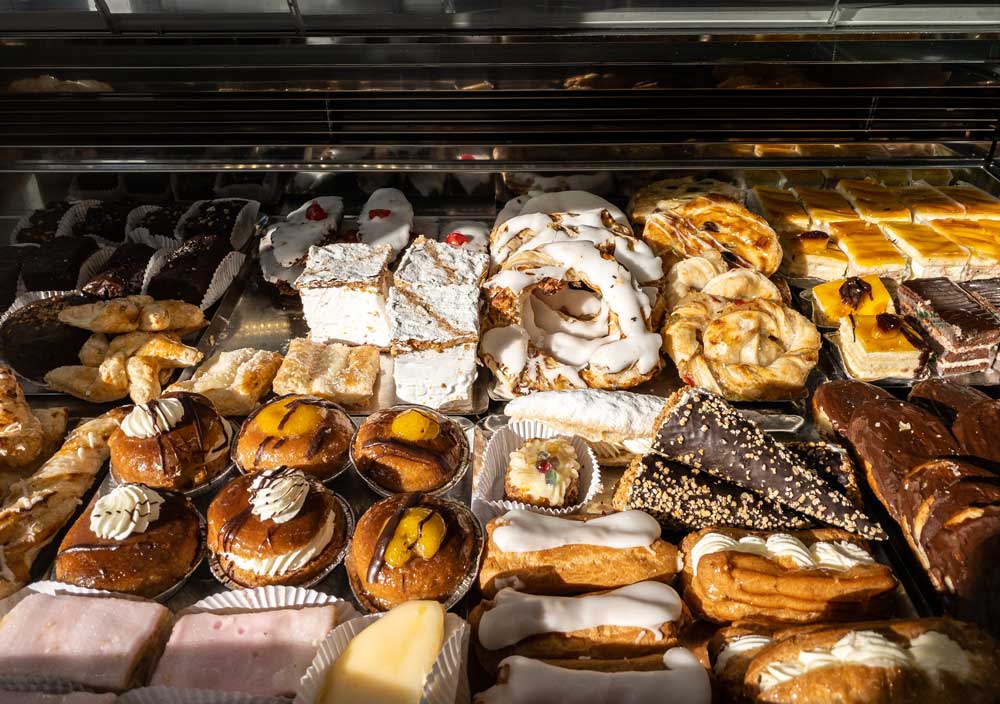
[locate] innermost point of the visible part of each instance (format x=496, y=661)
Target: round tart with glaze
x=133, y=540
x=412, y=546
x=301, y=432
x=275, y=527
x=177, y=442
x=411, y=448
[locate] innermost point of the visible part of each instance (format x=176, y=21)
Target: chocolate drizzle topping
x=408, y=451
x=164, y=439
x=318, y=439
x=813, y=235
x=853, y=291
x=408, y=501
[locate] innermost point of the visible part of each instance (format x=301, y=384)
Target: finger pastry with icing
x=803, y=577
x=412, y=546
x=303, y=432
x=525, y=681
x=133, y=540
x=904, y=662
x=542, y=554
x=275, y=527
x=177, y=442
x=635, y=621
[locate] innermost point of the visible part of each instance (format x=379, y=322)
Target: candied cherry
x=457, y=239
x=378, y=213
x=315, y=212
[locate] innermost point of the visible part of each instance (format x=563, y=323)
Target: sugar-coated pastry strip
x=386, y=219
x=527, y=681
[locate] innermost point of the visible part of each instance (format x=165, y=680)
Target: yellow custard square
x=871, y=352
x=978, y=203
x=825, y=207
x=867, y=250
x=781, y=209
x=981, y=242
x=928, y=203
x=835, y=299
x=930, y=253
x=873, y=201
x=812, y=255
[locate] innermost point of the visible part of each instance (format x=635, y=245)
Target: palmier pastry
x=178, y=441
x=543, y=472
x=903, y=662
x=411, y=546
x=302, y=432
x=543, y=554
x=277, y=526
x=755, y=350
x=639, y=620
x=806, y=577
x=409, y=449
x=834, y=404
x=133, y=540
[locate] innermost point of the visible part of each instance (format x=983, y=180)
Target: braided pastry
x=757, y=350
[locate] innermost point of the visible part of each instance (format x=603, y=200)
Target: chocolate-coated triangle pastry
x=701, y=429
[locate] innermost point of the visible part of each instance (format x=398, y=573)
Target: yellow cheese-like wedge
x=388, y=662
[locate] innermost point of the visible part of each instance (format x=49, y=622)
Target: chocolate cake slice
x=11, y=260
x=163, y=221
x=962, y=332
x=187, y=271
x=55, y=265
x=213, y=217
x=43, y=223
x=700, y=429
x=123, y=273
x=986, y=291
x=106, y=220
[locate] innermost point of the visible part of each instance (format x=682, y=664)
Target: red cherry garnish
x=543, y=466
x=377, y=213
x=315, y=212
x=457, y=239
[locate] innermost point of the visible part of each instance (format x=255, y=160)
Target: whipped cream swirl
x=838, y=556
x=147, y=420
x=125, y=510
x=278, y=494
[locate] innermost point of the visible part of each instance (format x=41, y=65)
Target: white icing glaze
x=526, y=531
x=516, y=616
x=288, y=242
x=593, y=414
x=738, y=646
x=572, y=202
x=125, y=510
x=477, y=231
x=278, y=494
x=147, y=420
x=838, y=556
x=527, y=681
x=428, y=184
x=292, y=561
x=508, y=346
x=930, y=652
x=392, y=230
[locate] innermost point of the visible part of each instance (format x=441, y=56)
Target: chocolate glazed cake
x=945, y=398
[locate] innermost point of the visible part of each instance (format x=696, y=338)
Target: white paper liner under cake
x=447, y=682
x=225, y=273
x=77, y=193
x=170, y=695
x=243, y=226
x=490, y=485
x=137, y=214
x=93, y=264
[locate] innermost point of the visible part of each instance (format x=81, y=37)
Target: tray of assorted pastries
x=733, y=441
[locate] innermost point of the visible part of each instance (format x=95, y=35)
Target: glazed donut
x=566, y=315
x=759, y=350
x=714, y=222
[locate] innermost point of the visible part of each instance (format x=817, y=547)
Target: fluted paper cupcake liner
x=142, y=235
x=225, y=273
x=444, y=683
x=270, y=598
x=243, y=226
x=171, y=695
x=29, y=297
x=93, y=264
x=490, y=485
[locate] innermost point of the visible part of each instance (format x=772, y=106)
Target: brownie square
x=106, y=220
x=55, y=265
x=213, y=217
x=163, y=221
x=43, y=223
x=123, y=273
x=188, y=270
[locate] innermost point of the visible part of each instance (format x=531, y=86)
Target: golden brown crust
x=145, y=564
x=435, y=578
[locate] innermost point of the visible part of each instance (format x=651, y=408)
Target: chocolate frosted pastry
x=123, y=273
x=132, y=540
x=892, y=437
x=55, y=265
x=976, y=429
x=544, y=472
x=411, y=546
x=683, y=498
x=409, y=449
x=300, y=432
x=834, y=404
x=833, y=464
x=986, y=291
x=35, y=341
x=945, y=398
x=105, y=219
x=187, y=271
x=178, y=442
x=163, y=221
x=43, y=223
x=702, y=430
x=213, y=217
x=275, y=527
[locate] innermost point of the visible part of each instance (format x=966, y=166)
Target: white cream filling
x=148, y=420
x=738, y=646
x=839, y=555
x=284, y=563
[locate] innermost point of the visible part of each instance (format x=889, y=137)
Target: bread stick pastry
x=807, y=577
x=543, y=554
x=525, y=681
x=20, y=429
x=904, y=662
x=641, y=619
x=35, y=509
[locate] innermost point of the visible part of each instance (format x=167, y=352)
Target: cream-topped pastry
x=125, y=510
x=515, y=616
x=739, y=646
x=386, y=219
x=839, y=555
x=544, y=472
x=278, y=495
x=284, y=247
x=526, y=531
x=147, y=420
